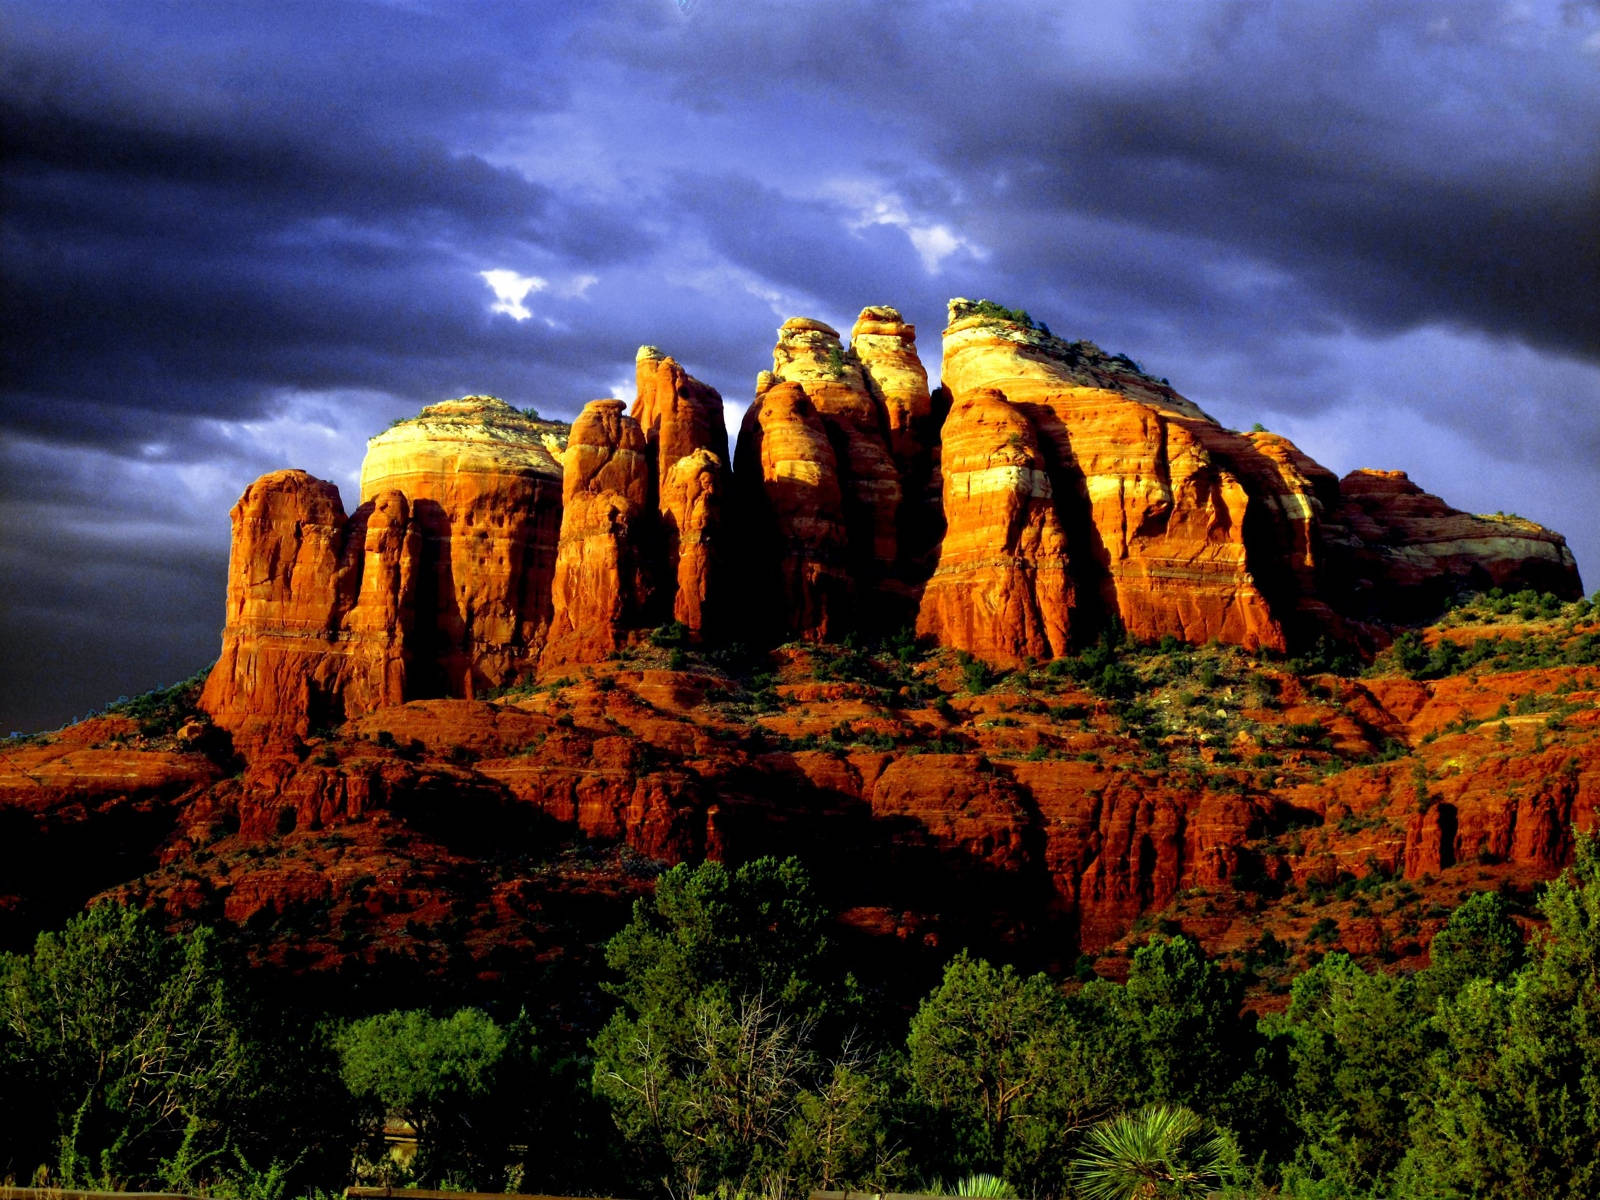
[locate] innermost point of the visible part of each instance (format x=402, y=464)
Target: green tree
x=129, y=1048
x=1184, y=1039
x=1160, y=1152
x=438, y=1073
x=1009, y=1068
x=1481, y=940
x=716, y=1065
x=1517, y=1082
x=1358, y=1046
x=755, y=930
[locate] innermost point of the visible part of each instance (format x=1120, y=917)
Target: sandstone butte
x=1044, y=494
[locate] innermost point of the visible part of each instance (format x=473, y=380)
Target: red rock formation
x=809, y=354
x=677, y=412
x=1082, y=495
x=1143, y=482
x=794, y=531
x=602, y=587
x=1002, y=588
x=438, y=584
x=684, y=430
x=693, y=493
x=886, y=347
x=1177, y=526
x=1408, y=551
x=484, y=490
x=316, y=611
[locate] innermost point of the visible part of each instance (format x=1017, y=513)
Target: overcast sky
x=239, y=237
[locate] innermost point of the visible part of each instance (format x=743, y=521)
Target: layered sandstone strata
x=1003, y=588
x=1406, y=551
x=485, y=493
x=602, y=584
x=885, y=345
x=1067, y=495
x=688, y=441
x=1151, y=494
x=438, y=584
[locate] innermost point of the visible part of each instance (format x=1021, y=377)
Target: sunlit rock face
x=485, y=494
x=602, y=585
x=1177, y=526
x=438, y=584
x=1153, y=498
x=688, y=444
x=319, y=610
x=1047, y=494
x=886, y=347
x=809, y=356
x=1003, y=586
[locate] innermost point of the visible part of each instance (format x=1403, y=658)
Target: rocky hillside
x=1051, y=811
x=1039, y=660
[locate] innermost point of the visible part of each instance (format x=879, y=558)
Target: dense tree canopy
x=734, y=1060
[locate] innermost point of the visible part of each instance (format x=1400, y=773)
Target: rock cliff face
x=1178, y=527
x=439, y=583
x=793, y=518
x=602, y=577
x=1029, y=815
x=886, y=348
x=684, y=431
x=1409, y=551
x=810, y=356
x=319, y=609
x=1046, y=495
x=484, y=492
x=1003, y=586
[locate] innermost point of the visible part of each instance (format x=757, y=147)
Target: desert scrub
x=161, y=711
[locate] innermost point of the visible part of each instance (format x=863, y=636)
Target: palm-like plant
x=984, y=1187
x=1160, y=1152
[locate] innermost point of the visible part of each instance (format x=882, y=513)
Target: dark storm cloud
x=243, y=236
x=1405, y=163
